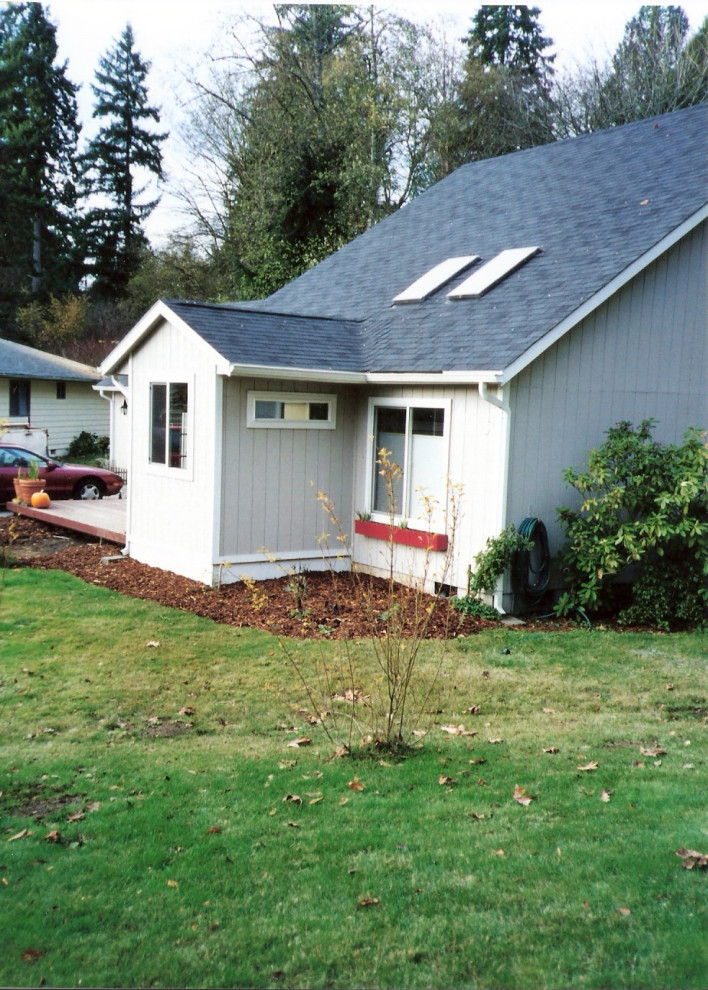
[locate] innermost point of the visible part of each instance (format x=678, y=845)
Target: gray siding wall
x=271, y=477
x=643, y=354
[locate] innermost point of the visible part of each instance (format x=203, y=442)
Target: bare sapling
x=383, y=690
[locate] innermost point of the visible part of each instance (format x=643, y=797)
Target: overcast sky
x=173, y=34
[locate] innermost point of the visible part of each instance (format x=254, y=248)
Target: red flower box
x=407, y=537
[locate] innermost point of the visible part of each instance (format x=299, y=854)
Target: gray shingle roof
x=593, y=204
x=19, y=361
x=252, y=337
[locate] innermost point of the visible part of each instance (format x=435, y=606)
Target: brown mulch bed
x=331, y=606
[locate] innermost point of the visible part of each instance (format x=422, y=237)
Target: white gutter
x=499, y=402
x=365, y=377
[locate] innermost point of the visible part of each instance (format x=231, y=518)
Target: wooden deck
x=103, y=518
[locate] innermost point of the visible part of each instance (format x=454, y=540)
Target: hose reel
x=531, y=569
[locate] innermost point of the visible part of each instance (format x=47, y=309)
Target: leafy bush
x=88, y=447
x=497, y=555
x=471, y=605
x=643, y=518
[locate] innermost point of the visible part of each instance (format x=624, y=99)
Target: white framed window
x=416, y=432
x=291, y=411
x=169, y=424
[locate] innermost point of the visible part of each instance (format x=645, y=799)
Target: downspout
x=131, y=462
x=503, y=481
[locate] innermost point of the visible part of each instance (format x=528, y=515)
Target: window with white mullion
x=416, y=438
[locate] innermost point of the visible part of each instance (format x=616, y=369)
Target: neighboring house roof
x=19, y=361
x=599, y=207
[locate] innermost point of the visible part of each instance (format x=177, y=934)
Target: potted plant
x=28, y=481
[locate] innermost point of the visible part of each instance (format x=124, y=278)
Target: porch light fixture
x=124, y=407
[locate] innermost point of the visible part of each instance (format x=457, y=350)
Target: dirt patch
x=39, y=806
x=327, y=607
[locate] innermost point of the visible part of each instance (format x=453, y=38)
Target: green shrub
x=87, y=447
x=643, y=518
x=471, y=605
x=498, y=554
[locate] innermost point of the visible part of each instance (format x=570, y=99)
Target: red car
x=62, y=480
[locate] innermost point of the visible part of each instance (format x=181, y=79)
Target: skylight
x=434, y=279
x=494, y=271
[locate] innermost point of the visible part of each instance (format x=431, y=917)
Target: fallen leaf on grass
x=355, y=785
x=213, y=830
x=368, y=902
x=495, y=742
x=153, y=643
x=443, y=780
x=316, y=800
x=300, y=741
x=552, y=749
x=548, y=711
x=472, y=710
x=30, y=955
x=293, y=799
x=499, y=852
x=187, y=710
x=623, y=911
x=520, y=796
x=652, y=751
x=294, y=825
x=606, y=796
x=286, y=764
x=592, y=765
x=76, y=817
x=692, y=858
x=476, y=816
x=172, y=883
x=53, y=836
x=458, y=730
x=478, y=760
x=20, y=835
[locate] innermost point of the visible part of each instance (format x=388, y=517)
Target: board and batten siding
x=171, y=511
x=643, y=354
x=270, y=515
x=476, y=432
x=63, y=419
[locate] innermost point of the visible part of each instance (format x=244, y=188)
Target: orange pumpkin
x=40, y=500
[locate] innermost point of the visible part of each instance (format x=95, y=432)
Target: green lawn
x=158, y=831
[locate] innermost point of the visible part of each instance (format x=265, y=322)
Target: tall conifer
x=123, y=150
x=38, y=140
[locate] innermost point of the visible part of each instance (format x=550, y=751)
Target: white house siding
x=475, y=464
x=643, y=354
x=171, y=511
x=270, y=515
x=64, y=419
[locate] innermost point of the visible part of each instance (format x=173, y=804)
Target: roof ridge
x=248, y=307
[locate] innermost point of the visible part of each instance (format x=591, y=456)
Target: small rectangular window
x=291, y=410
x=169, y=409
x=61, y=390
x=20, y=398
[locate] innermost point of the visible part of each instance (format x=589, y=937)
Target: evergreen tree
x=505, y=92
x=122, y=151
x=38, y=140
x=510, y=35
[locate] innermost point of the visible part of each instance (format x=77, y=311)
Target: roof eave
x=607, y=291
x=158, y=311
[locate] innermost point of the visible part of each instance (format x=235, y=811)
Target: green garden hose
x=531, y=569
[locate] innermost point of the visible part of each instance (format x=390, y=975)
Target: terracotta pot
x=25, y=487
